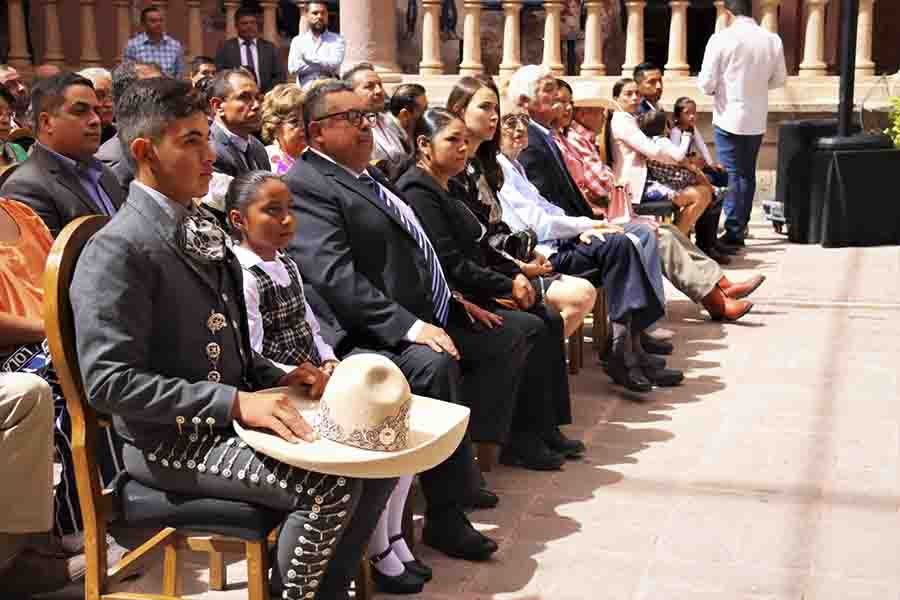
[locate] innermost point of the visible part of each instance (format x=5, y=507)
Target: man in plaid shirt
x=576, y=143
x=154, y=46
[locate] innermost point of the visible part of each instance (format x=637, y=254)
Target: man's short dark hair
x=405, y=97
x=653, y=122
x=125, y=74
x=49, y=94
x=350, y=73
x=315, y=105
x=150, y=105
x=221, y=84
x=322, y=2
x=245, y=11
x=739, y=8
x=147, y=11
x=642, y=69
x=199, y=61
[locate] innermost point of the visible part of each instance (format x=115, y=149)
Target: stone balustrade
x=370, y=27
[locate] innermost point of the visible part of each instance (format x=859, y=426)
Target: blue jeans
x=738, y=154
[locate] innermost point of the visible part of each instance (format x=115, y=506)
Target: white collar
x=331, y=160
x=173, y=209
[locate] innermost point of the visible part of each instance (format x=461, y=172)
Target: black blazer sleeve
x=275, y=74
x=464, y=273
x=222, y=61
x=324, y=252
x=538, y=167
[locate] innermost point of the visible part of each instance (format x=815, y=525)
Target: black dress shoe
x=727, y=240
x=654, y=346
x=651, y=361
x=558, y=442
x=664, y=377
x=453, y=534
x=632, y=378
x=729, y=250
x=717, y=256
x=530, y=451
x=484, y=499
x=414, y=566
x=404, y=583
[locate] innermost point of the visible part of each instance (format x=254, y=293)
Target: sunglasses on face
x=510, y=122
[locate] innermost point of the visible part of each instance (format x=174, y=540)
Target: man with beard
x=10, y=79
x=316, y=53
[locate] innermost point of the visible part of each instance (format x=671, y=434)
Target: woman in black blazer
x=482, y=274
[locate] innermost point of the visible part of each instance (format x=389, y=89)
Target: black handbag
x=520, y=245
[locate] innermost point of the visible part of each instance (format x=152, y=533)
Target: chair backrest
x=601, y=141
x=5, y=172
x=60, y=327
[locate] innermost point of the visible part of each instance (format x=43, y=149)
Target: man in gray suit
x=61, y=180
x=237, y=108
x=175, y=380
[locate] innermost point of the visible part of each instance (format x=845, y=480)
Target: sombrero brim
x=436, y=429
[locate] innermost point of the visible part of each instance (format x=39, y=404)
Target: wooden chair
x=5, y=172
x=210, y=525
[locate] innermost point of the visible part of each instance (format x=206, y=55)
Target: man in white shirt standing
x=316, y=53
x=741, y=64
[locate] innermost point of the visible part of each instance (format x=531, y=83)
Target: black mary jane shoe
x=414, y=566
x=406, y=582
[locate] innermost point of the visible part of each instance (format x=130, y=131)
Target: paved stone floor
x=772, y=473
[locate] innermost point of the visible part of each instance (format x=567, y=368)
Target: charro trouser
x=685, y=265
x=738, y=154
x=328, y=519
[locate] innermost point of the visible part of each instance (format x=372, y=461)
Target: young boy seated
x=162, y=337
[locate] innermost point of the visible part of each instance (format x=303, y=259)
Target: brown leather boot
x=722, y=308
x=741, y=289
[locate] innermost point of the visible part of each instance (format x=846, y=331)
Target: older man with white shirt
x=741, y=64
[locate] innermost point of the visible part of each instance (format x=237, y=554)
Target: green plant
x=894, y=130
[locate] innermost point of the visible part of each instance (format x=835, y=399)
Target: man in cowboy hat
x=175, y=381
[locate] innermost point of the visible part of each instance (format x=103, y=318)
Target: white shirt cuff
x=414, y=331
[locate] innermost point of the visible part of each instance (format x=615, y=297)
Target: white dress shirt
x=254, y=54
x=524, y=207
x=315, y=56
x=741, y=64
x=279, y=274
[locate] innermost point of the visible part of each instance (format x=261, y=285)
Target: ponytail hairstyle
x=241, y=193
x=430, y=124
x=487, y=152
x=607, y=134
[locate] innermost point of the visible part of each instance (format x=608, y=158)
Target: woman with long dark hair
x=530, y=431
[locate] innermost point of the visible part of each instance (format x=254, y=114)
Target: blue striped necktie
x=440, y=291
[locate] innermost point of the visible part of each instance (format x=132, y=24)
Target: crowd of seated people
x=465, y=243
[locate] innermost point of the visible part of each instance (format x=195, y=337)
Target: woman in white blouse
x=631, y=149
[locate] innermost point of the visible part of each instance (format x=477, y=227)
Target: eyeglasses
x=352, y=116
x=510, y=122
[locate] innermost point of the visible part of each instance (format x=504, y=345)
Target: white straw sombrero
x=589, y=94
x=369, y=425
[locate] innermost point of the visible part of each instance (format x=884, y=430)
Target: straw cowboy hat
x=588, y=94
x=368, y=424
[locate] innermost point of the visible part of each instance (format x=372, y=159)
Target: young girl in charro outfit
x=284, y=329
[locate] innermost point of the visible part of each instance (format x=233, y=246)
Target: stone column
x=90, y=55
x=678, y=65
x=553, y=36
x=123, y=25
x=270, y=26
x=231, y=7
x=634, y=35
x=18, y=45
x=814, y=42
x=864, y=64
x=370, y=30
x=431, y=63
x=195, y=30
x=471, y=62
x=593, y=40
x=768, y=10
x=301, y=6
x=53, y=49
x=512, y=42
x=720, y=15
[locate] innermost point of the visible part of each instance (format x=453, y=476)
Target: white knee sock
x=395, y=517
x=378, y=543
